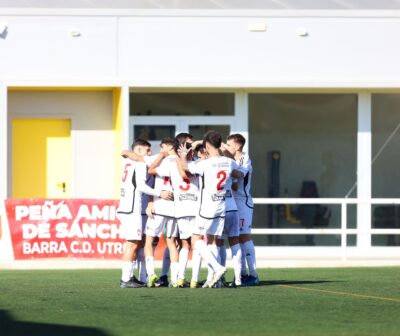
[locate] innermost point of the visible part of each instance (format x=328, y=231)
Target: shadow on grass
x=293, y=282
x=9, y=326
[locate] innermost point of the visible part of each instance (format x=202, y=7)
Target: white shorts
x=185, y=226
x=245, y=217
x=132, y=225
x=155, y=226
x=231, y=225
x=213, y=226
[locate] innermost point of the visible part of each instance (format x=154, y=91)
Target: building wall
x=93, y=138
x=42, y=46
x=202, y=49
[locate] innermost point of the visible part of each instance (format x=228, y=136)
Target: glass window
x=182, y=104
x=198, y=131
x=385, y=145
x=302, y=145
x=153, y=132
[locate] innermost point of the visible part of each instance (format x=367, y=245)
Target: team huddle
x=196, y=193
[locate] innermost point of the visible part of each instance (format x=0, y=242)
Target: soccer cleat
x=162, y=281
x=244, y=277
x=235, y=285
x=128, y=284
x=194, y=284
x=136, y=280
x=252, y=281
x=152, y=280
x=207, y=284
x=218, y=275
x=219, y=284
x=173, y=285
x=182, y=283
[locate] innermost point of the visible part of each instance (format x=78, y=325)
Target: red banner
x=43, y=228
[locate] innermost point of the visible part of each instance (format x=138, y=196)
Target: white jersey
x=163, y=207
x=134, y=190
x=216, y=183
x=186, y=191
x=243, y=191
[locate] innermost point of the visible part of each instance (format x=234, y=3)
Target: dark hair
x=170, y=141
x=238, y=138
x=140, y=142
x=200, y=148
x=213, y=138
x=182, y=137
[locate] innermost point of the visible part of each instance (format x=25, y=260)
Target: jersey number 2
x=221, y=175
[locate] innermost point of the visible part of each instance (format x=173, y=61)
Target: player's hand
x=150, y=210
x=183, y=151
x=124, y=153
x=167, y=195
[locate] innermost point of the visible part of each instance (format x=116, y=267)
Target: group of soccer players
x=196, y=193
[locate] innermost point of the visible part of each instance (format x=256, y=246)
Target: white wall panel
x=43, y=47
x=214, y=49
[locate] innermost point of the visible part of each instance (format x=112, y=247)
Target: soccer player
x=186, y=195
x=244, y=201
x=216, y=174
x=133, y=201
x=164, y=213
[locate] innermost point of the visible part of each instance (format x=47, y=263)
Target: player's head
x=213, y=139
x=183, y=138
x=169, y=144
x=200, y=152
x=141, y=147
x=235, y=142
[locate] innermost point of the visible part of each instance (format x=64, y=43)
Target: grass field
x=348, y=301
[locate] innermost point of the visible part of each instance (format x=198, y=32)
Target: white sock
x=210, y=273
x=237, y=262
x=150, y=266
x=126, y=270
x=142, y=266
x=166, y=262
x=206, y=254
x=174, y=272
x=183, y=260
x=222, y=254
x=251, y=257
x=196, y=265
x=244, y=264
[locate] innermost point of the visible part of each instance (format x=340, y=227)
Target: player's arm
x=225, y=151
x=182, y=172
x=144, y=188
x=157, y=162
x=132, y=156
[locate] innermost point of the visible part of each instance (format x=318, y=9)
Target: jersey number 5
x=125, y=173
x=221, y=175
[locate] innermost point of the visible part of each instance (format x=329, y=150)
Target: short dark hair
x=238, y=138
x=200, y=148
x=182, y=137
x=140, y=142
x=213, y=138
x=170, y=141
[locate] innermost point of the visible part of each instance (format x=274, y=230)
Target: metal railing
x=343, y=231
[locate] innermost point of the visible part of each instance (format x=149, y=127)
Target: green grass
x=91, y=303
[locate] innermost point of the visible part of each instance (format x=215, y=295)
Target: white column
x=125, y=117
x=241, y=124
x=3, y=142
x=364, y=148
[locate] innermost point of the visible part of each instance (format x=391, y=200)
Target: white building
x=316, y=81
